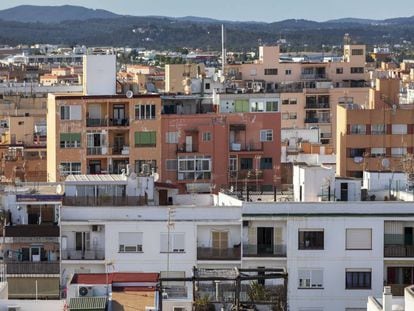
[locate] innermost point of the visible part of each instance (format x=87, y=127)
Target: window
x=246, y=163
x=272, y=106
x=285, y=116
x=378, y=152
x=171, y=137
x=358, y=279
x=311, y=239
x=266, y=163
x=356, y=152
x=292, y=101
x=359, y=129
x=194, y=167
x=378, y=129
x=339, y=70
x=173, y=274
x=233, y=164
x=176, y=243
x=310, y=278
x=357, y=52
x=70, y=168
x=358, y=239
x=206, y=136
x=399, y=128
x=241, y=105
x=288, y=72
x=70, y=140
x=266, y=135
x=357, y=69
x=257, y=106
x=70, y=112
x=145, y=166
x=207, y=86
x=145, y=112
x=145, y=139
x=293, y=116
x=285, y=102
x=171, y=164
x=398, y=152
x=270, y=71
x=130, y=242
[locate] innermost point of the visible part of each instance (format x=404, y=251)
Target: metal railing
x=186, y=148
x=264, y=250
x=241, y=146
x=23, y=267
x=96, y=122
x=209, y=253
x=118, y=122
x=174, y=292
x=96, y=150
x=92, y=254
x=104, y=201
x=396, y=246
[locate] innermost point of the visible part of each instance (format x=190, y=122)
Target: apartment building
x=30, y=245
x=310, y=88
x=373, y=140
x=176, y=73
x=205, y=150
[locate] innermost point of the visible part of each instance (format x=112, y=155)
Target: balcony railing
x=317, y=106
x=23, y=267
x=187, y=148
x=313, y=76
x=263, y=250
x=395, y=246
x=317, y=120
x=97, y=150
x=209, y=253
x=241, y=146
x=73, y=254
x=32, y=231
x=174, y=292
x=96, y=122
x=118, y=122
x=105, y=201
x=248, y=174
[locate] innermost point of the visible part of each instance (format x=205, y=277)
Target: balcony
x=23, y=267
x=119, y=150
x=209, y=253
x=96, y=122
x=313, y=76
x=317, y=120
x=317, y=106
x=252, y=175
x=97, y=150
x=262, y=250
x=118, y=122
x=18, y=231
x=104, y=201
x=246, y=147
x=394, y=246
x=187, y=148
x=398, y=289
x=73, y=254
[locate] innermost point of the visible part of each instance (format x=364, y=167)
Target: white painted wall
x=374, y=181
x=312, y=179
x=33, y=305
x=99, y=74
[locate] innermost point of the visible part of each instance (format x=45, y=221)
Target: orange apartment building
x=373, y=140
x=205, y=150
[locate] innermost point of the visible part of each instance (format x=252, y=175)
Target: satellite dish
x=59, y=189
x=156, y=176
x=129, y=94
x=385, y=163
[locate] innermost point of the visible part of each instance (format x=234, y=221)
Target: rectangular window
x=378, y=129
x=206, y=136
x=176, y=242
x=293, y=116
x=72, y=112
x=70, y=168
x=270, y=71
x=65, y=112
x=241, y=105
x=358, y=239
x=358, y=279
x=266, y=163
x=70, y=140
x=257, y=106
x=359, y=129
x=378, y=152
x=171, y=137
x=171, y=164
x=285, y=102
x=399, y=129
x=233, y=164
x=145, y=112
x=246, y=163
x=194, y=167
x=357, y=69
x=310, y=278
x=130, y=242
x=145, y=167
x=398, y=152
x=266, y=135
x=285, y=116
x=288, y=72
x=311, y=239
x=272, y=106
x=145, y=139
x=292, y=101
x=339, y=71
x=173, y=274
x=357, y=52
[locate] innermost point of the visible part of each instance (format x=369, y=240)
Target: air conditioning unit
x=85, y=291
x=96, y=228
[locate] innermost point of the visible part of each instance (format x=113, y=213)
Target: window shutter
x=75, y=112
x=358, y=239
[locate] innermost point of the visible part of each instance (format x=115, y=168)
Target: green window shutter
x=153, y=138
x=145, y=138
x=137, y=138
x=65, y=136
x=75, y=136
x=241, y=105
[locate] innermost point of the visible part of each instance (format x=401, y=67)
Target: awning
x=87, y=303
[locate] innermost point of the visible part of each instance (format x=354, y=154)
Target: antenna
x=223, y=49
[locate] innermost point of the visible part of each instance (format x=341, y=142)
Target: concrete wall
x=99, y=74
x=33, y=305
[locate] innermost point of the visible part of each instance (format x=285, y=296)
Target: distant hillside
x=52, y=14
x=60, y=25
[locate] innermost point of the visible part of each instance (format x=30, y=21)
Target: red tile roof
x=115, y=277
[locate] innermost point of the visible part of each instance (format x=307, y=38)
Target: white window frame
x=127, y=247
x=233, y=164
x=358, y=129
x=70, y=171
x=266, y=135
x=175, y=246
x=171, y=137
x=207, y=136
x=307, y=278
x=351, y=233
x=378, y=152
x=71, y=112
x=399, y=129
x=139, y=107
x=378, y=129
x=398, y=152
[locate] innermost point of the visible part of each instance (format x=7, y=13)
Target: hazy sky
x=262, y=10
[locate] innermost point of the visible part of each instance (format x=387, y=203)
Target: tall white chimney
x=387, y=299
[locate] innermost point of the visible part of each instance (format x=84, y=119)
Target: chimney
x=387, y=299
